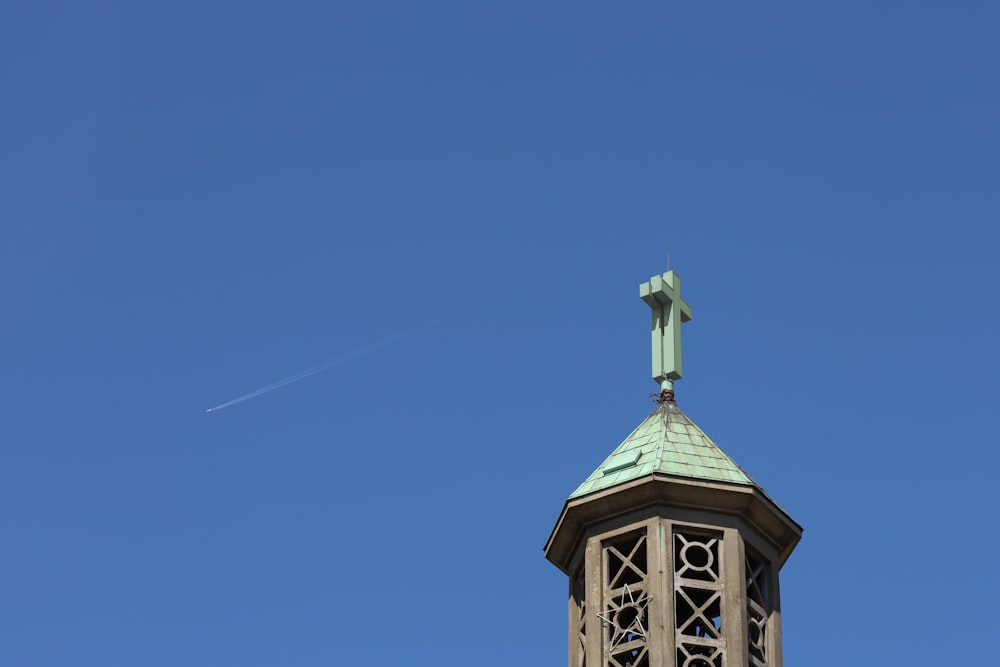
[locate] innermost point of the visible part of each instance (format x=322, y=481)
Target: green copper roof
x=668, y=443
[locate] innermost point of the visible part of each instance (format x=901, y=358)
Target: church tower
x=671, y=549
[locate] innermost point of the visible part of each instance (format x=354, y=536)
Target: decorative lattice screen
x=579, y=619
x=626, y=598
x=698, y=586
x=757, y=610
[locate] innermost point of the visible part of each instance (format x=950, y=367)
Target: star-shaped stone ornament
x=626, y=621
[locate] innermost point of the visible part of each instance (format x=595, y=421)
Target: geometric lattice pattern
x=698, y=586
x=625, y=615
x=579, y=620
x=757, y=610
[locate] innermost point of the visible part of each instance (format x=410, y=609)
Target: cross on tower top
x=663, y=295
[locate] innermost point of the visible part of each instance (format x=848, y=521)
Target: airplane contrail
x=336, y=361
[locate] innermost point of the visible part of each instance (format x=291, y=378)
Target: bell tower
x=671, y=549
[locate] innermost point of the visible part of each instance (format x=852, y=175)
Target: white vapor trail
x=342, y=359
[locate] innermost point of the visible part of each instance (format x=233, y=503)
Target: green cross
x=663, y=295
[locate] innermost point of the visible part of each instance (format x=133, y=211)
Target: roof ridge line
x=658, y=457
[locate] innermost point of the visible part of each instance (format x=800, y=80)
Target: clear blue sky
x=199, y=199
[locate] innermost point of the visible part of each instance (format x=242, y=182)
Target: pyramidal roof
x=666, y=443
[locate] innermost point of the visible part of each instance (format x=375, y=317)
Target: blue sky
x=200, y=199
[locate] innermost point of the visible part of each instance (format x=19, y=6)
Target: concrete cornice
x=662, y=491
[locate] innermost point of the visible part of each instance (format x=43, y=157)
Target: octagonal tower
x=672, y=550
